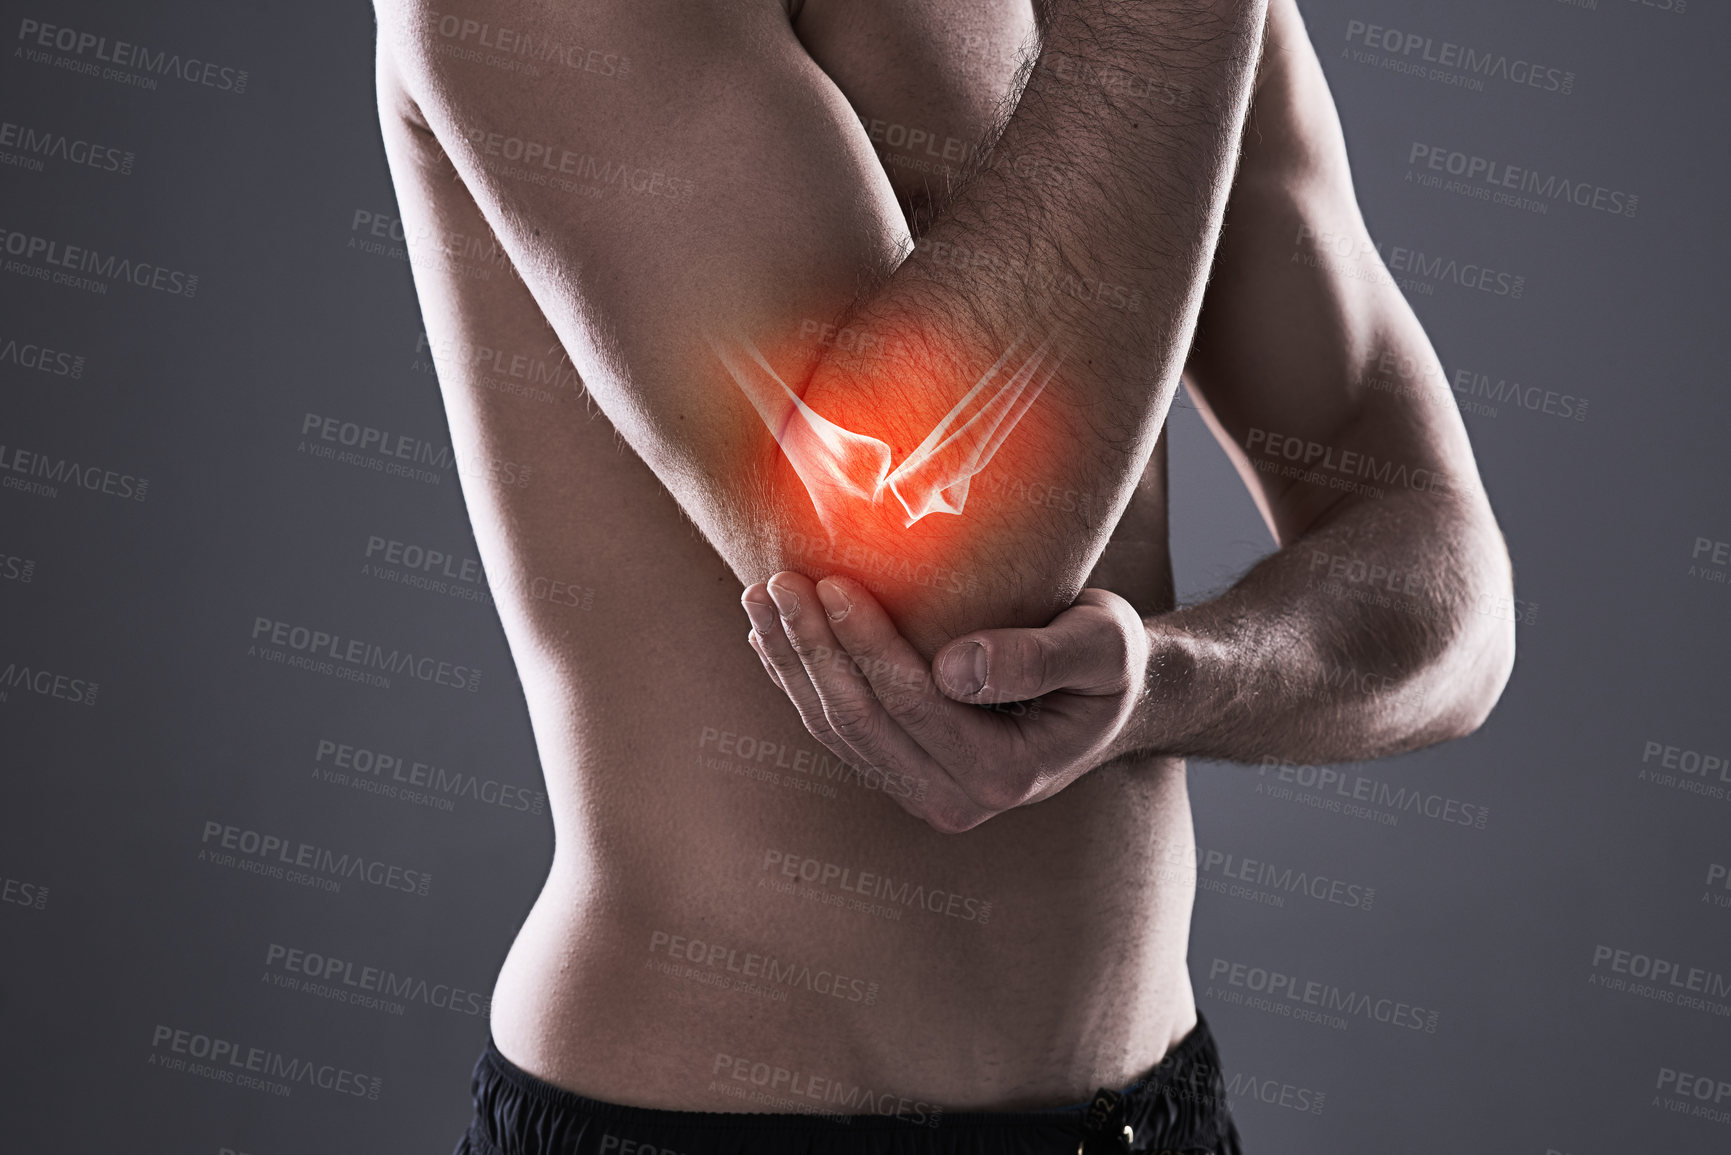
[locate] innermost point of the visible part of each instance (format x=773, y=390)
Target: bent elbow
x=1476, y=679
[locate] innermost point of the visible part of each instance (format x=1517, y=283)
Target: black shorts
x=1178, y=1107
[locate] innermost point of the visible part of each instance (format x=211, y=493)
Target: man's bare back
x=724, y=889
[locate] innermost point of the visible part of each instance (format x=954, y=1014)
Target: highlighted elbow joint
x=842, y=469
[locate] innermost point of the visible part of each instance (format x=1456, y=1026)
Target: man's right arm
x=723, y=190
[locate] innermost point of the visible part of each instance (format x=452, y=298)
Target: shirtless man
x=950, y=925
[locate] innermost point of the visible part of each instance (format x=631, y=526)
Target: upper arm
x=656, y=172
x=1306, y=352
x=722, y=186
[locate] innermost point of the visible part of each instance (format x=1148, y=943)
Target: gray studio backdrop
x=212, y=846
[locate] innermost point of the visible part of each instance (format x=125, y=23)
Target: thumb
x=1086, y=649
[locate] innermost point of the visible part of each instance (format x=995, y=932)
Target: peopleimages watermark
x=756, y=755
x=516, y=50
x=1050, y=280
x=411, y=780
x=1469, y=385
x=1674, y=7
x=1681, y=768
x=804, y=1093
x=368, y=439
x=371, y=987
x=1473, y=390
x=277, y=857
x=42, y=474
x=1661, y=980
x=1275, y=1093
x=541, y=162
x=538, y=377
x=42, y=358
x=355, y=659
x=1287, y=995
x=1356, y=796
x=880, y=887
x=1710, y=560
x=871, y=567
x=1718, y=875
x=30, y=895
x=90, y=52
x=1115, y=81
x=427, y=568
x=82, y=267
x=26, y=147
x=1221, y=871
x=1693, y=1094
x=1347, y=254
x=1381, y=584
x=23, y=678
x=1348, y=469
x=1461, y=65
x=425, y=559
x=728, y=967
x=473, y=255
x=17, y=569
x=1352, y=570
x=257, y=1068
x=1516, y=185
x=400, y=454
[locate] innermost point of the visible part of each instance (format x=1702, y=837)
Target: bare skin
x=1383, y=624
x=679, y=775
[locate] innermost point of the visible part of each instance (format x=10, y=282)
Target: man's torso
x=722, y=885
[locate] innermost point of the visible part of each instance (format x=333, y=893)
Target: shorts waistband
x=1177, y=1106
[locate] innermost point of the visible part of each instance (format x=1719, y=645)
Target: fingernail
x=786, y=601
x=835, y=602
x=964, y=668
x=762, y=617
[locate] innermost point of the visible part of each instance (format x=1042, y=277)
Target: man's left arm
x=1383, y=622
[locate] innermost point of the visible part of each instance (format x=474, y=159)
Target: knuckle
x=1121, y=622
x=818, y=726
x=1041, y=662
x=909, y=705
x=775, y=645
x=787, y=664
x=953, y=819
x=833, y=663
x=863, y=645
x=851, y=719
x=996, y=790
x=1129, y=651
x=875, y=668
x=1136, y=648
x=1024, y=666
x=809, y=714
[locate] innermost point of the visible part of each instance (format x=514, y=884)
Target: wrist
x=1161, y=719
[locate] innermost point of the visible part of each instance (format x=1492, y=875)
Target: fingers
x=895, y=672
x=1093, y=647
x=850, y=706
x=752, y=640
x=875, y=739
x=870, y=697
x=787, y=671
x=980, y=753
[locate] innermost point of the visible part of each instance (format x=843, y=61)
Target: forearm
x=1091, y=182
x=762, y=216
x=1387, y=627
x=1094, y=176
